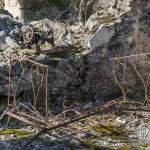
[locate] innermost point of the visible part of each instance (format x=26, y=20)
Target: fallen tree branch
x=106, y=109
x=129, y=56
x=135, y=109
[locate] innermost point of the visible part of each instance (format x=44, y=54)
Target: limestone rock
x=92, y=22
x=12, y=43
x=15, y=7
x=102, y=36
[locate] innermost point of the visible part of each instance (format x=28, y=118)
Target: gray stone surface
x=102, y=36
x=86, y=73
x=92, y=22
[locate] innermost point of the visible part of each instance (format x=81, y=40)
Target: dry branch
x=108, y=108
x=129, y=56
x=25, y=120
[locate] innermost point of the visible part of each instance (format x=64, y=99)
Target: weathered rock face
x=122, y=28
x=102, y=36
x=123, y=36
x=17, y=8
x=127, y=33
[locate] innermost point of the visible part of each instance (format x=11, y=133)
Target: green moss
x=108, y=128
x=128, y=147
x=125, y=148
x=19, y=133
x=93, y=146
x=65, y=53
x=107, y=19
x=114, y=132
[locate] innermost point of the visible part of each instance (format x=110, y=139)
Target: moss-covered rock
x=16, y=132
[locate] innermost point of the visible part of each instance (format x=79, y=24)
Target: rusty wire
x=40, y=70
x=51, y=122
x=133, y=61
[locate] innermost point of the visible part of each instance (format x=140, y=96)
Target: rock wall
x=89, y=76
x=121, y=28
x=128, y=34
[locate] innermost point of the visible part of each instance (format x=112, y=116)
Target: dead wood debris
x=32, y=118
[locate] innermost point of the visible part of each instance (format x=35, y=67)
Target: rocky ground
x=113, y=131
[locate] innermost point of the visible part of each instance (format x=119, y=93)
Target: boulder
x=102, y=36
